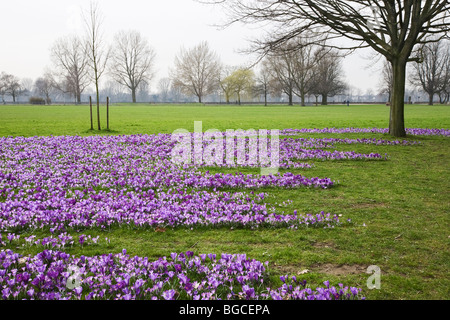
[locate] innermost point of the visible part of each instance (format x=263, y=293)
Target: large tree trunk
x=397, y=117
x=324, y=100
x=302, y=97
x=430, y=99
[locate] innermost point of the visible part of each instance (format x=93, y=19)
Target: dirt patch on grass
x=332, y=269
x=326, y=245
x=339, y=270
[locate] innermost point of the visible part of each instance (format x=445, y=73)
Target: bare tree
x=70, y=63
x=306, y=57
x=391, y=28
x=97, y=51
x=132, y=60
x=264, y=81
x=327, y=77
x=3, y=85
x=282, y=67
x=44, y=87
x=387, y=80
x=27, y=86
x=10, y=85
x=196, y=71
x=164, y=88
x=444, y=95
x=430, y=73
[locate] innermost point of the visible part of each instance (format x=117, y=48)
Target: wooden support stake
x=90, y=106
x=107, y=113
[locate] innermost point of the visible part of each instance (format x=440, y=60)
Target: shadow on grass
x=101, y=132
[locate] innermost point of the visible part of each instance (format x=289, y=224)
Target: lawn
x=399, y=208
x=26, y=120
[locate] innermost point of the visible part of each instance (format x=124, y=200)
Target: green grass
x=399, y=208
x=26, y=120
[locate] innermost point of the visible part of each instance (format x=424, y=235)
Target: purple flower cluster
x=87, y=209
x=295, y=289
x=74, y=182
x=411, y=131
x=289, y=150
x=62, y=240
x=321, y=143
x=55, y=275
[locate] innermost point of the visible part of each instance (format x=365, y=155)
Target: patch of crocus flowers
x=56, y=275
x=70, y=183
x=409, y=131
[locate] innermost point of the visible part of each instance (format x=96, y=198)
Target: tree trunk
x=199, y=99
x=90, y=109
x=98, y=106
x=302, y=97
x=324, y=100
x=430, y=99
x=291, y=99
x=133, y=94
x=397, y=116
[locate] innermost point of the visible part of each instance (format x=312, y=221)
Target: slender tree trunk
x=265, y=99
x=90, y=108
x=133, y=94
x=397, y=116
x=291, y=100
x=199, y=99
x=107, y=113
x=98, y=105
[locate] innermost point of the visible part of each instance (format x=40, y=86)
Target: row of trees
x=291, y=69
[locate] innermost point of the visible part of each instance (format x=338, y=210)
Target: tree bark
x=98, y=106
x=90, y=109
x=430, y=99
x=291, y=100
x=133, y=94
x=324, y=100
x=397, y=118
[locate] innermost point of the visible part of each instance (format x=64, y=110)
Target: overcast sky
x=30, y=27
